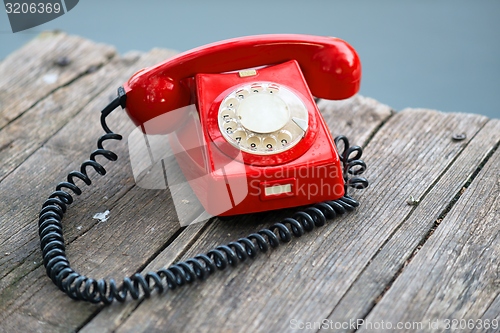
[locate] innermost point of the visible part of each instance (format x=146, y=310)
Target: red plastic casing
x=311, y=169
x=324, y=67
x=330, y=66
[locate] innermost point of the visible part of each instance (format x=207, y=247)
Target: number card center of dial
x=263, y=113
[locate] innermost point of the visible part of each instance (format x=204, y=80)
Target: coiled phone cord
x=80, y=287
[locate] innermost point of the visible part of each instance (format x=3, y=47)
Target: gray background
x=441, y=55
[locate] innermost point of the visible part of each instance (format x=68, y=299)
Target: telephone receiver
x=330, y=66
x=240, y=119
x=239, y=122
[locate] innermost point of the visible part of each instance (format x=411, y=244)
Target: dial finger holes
x=253, y=142
x=241, y=94
x=230, y=127
x=284, y=138
x=272, y=89
x=231, y=103
x=256, y=88
x=227, y=115
x=269, y=143
x=240, y=136
x=262, y=118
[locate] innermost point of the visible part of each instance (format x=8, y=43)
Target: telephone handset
x=330, y=66
x=255, y=141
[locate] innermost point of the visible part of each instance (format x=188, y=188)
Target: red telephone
x=255, y=141
x=262, y=143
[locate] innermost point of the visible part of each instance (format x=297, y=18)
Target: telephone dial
x=243, y=125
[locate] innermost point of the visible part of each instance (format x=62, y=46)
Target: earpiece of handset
x=330, y=66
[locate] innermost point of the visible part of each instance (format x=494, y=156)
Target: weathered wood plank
x=306, y=279
x=455, y=275
x=26, y=79
x=65, y=151
x=109, y=249
x=355, y=117
x=314, y=278
x=111, y=317
x=370, y=114
x=45, y=120
x=394, y=255
x=24, y=135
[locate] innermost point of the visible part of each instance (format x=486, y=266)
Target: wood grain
x=396, y=253
x=111, y=317
x=370, y=113
x=28, y=132
x=44, y=167
x=455, y=275
x=24, y=280
x=359, y=117
x=297, y=280
x=387, y=260
x=31, y=73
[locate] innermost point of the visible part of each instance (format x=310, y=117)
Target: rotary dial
x=263, y=118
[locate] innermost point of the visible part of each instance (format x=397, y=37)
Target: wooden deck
x=422, y=247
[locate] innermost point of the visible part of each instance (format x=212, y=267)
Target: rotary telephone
x=241, y=120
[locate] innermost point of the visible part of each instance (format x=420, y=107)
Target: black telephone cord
x=80, y=287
